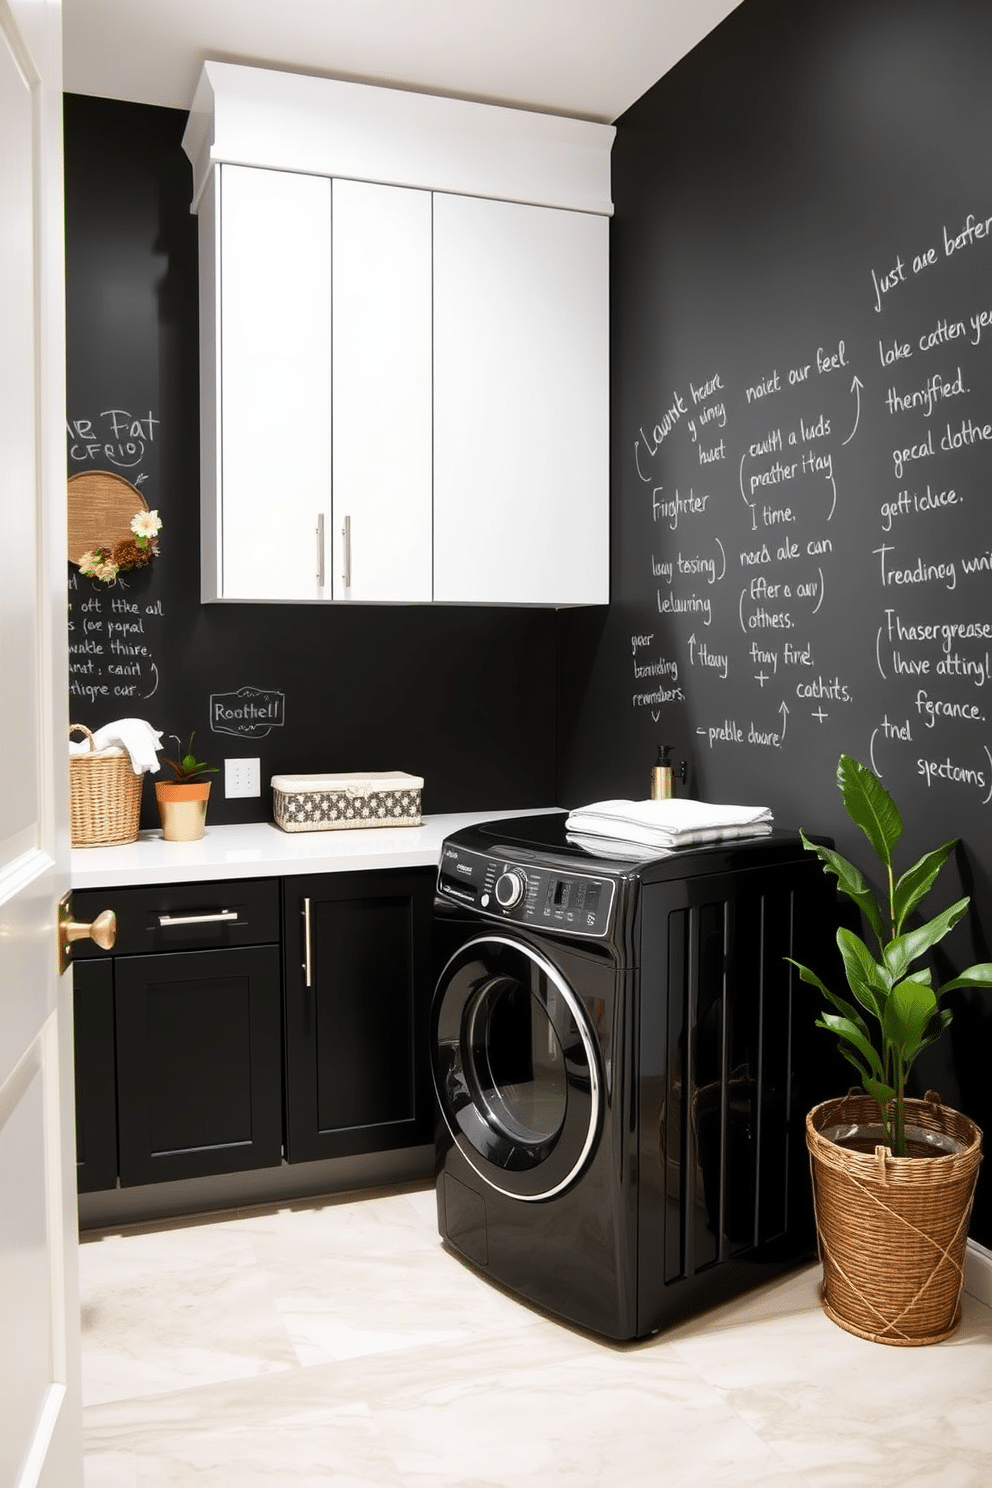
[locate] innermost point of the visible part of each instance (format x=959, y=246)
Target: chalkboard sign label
x=250, y=712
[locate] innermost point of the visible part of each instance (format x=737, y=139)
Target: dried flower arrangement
x=131, y=552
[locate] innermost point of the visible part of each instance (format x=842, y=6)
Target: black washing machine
x=623, y=1062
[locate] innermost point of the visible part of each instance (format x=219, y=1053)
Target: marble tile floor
x=335, y=1342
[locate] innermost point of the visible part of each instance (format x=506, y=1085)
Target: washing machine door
x=516, y=1067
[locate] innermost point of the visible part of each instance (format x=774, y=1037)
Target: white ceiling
x=588, y=58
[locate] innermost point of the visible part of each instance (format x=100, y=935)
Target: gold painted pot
x=182, y=806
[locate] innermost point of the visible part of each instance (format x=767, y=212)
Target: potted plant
x=893, y=1177
x=182, y=802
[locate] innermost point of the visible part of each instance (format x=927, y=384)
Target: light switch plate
x=242, y=777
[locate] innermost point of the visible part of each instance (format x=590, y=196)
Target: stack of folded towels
x=651, y=829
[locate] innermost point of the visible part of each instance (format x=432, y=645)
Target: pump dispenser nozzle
x=663, y=775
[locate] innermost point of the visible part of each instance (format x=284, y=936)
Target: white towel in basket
x=131, y=735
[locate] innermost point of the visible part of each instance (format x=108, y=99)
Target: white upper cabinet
x=381, y=338
x=404, y=345
x=266, y=413
x=521, y=388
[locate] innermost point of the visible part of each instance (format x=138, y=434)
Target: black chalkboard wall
x=802, y=445
x=464, y=697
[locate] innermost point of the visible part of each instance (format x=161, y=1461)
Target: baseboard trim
x=978, y=1272
x=228, y=1191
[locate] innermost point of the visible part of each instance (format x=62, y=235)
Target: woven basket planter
x=892, y=1231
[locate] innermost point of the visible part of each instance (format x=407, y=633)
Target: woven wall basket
x=101, y=505
x=892, y=1231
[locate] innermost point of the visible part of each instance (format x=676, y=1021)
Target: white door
x=40, y=1421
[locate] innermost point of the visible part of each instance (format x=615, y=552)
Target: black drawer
x=183, y=917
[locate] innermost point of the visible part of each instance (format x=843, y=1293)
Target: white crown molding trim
x=323, y=126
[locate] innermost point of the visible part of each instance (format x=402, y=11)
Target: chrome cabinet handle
x=320, y=550
x=307, y=966
x=346, y=534
x=223, y=916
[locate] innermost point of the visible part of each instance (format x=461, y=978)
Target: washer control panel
x=546, y=897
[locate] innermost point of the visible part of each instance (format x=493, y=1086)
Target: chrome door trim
x=581, y=1023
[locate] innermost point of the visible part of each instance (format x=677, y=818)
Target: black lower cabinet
x=237, y=1024
x=199, y=1063
x=96, y=1076
x=179, y=1033
x=357, y=978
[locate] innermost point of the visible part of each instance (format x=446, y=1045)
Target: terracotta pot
x=892, y=1231
x=183, y=808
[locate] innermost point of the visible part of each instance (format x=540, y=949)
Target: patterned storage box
x=327, y=803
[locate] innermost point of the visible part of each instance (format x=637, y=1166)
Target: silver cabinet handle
x=320, y=550
x=307, y=970
x=223, y=916
x=346, y=534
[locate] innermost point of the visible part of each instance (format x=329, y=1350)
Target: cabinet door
x=199, y=1063
x=358, y=989
x=267, y=384
x=382, y=537
x=521, y=402
x=96, y=1075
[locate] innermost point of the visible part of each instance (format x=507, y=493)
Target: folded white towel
x=131, y=735
x=668, y=824
x=620, y=847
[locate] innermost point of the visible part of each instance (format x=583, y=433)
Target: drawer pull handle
x=320, y=550
x=222, y=917
x=307, y=977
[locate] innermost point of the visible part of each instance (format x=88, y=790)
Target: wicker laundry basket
x=104, y=795
x=892, y=1231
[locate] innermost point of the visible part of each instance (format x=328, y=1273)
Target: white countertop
x=263, y=850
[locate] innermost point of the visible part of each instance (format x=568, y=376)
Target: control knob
x=510, y=888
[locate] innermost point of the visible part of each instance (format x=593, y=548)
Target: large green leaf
x=973, y=976
x=916, y=882
x=850, y=1034
x=870, y=806
x=851, y=881
x=852, y=1059
x=903, y=951
x=936, y=1027
x=869, y=981
x=881, y=1093
x=846, y=1009
x=907, y=1015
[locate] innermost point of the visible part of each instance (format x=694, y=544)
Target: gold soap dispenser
x=663, y=775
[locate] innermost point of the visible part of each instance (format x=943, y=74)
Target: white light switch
x=242, y=777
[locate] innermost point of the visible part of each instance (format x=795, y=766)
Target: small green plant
x=902, y=1001
x=187, y=767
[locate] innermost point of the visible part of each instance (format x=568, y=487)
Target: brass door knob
x=102, y=930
